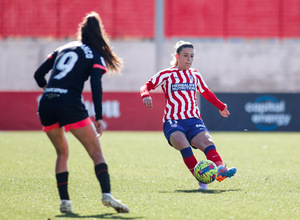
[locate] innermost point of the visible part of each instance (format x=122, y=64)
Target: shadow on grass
x=103, y=216
x=208, y=191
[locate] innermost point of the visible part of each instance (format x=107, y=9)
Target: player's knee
x=202, y=144
x=178, y=140
x=179, y=144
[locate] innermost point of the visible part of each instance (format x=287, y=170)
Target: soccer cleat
x=109, y=201
x=223, y=172
x=203, y=186
x=65, y=206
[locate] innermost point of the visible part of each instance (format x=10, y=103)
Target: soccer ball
x=206, y=171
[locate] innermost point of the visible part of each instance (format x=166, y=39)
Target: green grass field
x=151, y=178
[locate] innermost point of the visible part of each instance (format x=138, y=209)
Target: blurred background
x=248, y=52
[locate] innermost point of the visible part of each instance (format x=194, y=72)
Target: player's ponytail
x=91, y=32
x=178, y=48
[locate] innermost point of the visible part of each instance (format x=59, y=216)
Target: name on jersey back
x=87, y=51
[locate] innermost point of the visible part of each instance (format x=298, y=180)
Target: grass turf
x=151, y=178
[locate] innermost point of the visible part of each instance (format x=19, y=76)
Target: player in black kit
x=61, y=107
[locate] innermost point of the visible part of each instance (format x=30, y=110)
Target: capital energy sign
x=268, y=113
x=254, y=112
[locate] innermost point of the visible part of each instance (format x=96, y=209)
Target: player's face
x=185, y=58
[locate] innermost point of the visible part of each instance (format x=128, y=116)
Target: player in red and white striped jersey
x=183, y=125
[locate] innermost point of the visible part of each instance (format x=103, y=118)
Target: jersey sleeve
x=157, y=80
x=98, y=69
x=201, y=85
x=96, y=87
x=144, y=90
x=212, y=98
x=207, y=93
x=43, y=69
x=99, y=63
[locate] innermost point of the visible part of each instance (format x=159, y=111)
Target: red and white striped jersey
x=180, y=88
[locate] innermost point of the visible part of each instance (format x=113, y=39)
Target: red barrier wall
x=194, y=18
x=135, y=19
x=253, y=18
x=129, y=18
x=60, y=18
x=28, y=18
x=121, y=111
x=290, y=18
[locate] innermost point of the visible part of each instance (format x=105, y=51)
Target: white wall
x=227, y=66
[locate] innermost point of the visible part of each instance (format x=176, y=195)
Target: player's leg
x=179, y=142
x=47, y=113
x=174, y=132
x=203, y=141
x=59, y=141
x=199, y=142
x=200, y=138
x=60, y=144
x=87, y=135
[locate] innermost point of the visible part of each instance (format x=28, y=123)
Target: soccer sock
x=212, y=154
x=189, y=158
x=62, y=185
x=101, y=171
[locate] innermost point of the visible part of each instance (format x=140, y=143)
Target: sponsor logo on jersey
x=183, y=87
x=57, y=90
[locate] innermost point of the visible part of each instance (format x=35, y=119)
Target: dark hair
x=178, y=48
x=91, y=32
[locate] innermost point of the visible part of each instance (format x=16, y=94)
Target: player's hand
x=148, y=102
x=99, y=124
x=225, y=112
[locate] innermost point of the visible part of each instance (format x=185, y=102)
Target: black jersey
x=72, y=64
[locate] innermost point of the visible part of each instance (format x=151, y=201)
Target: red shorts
x=68, y=127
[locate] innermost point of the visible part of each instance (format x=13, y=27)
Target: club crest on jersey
x=183, y=87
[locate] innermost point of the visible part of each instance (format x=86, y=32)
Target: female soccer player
x=61, y=105
x=183, y=125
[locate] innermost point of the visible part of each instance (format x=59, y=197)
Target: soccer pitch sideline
x=151, y=178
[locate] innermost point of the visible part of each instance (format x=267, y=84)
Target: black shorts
x=51, y=112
